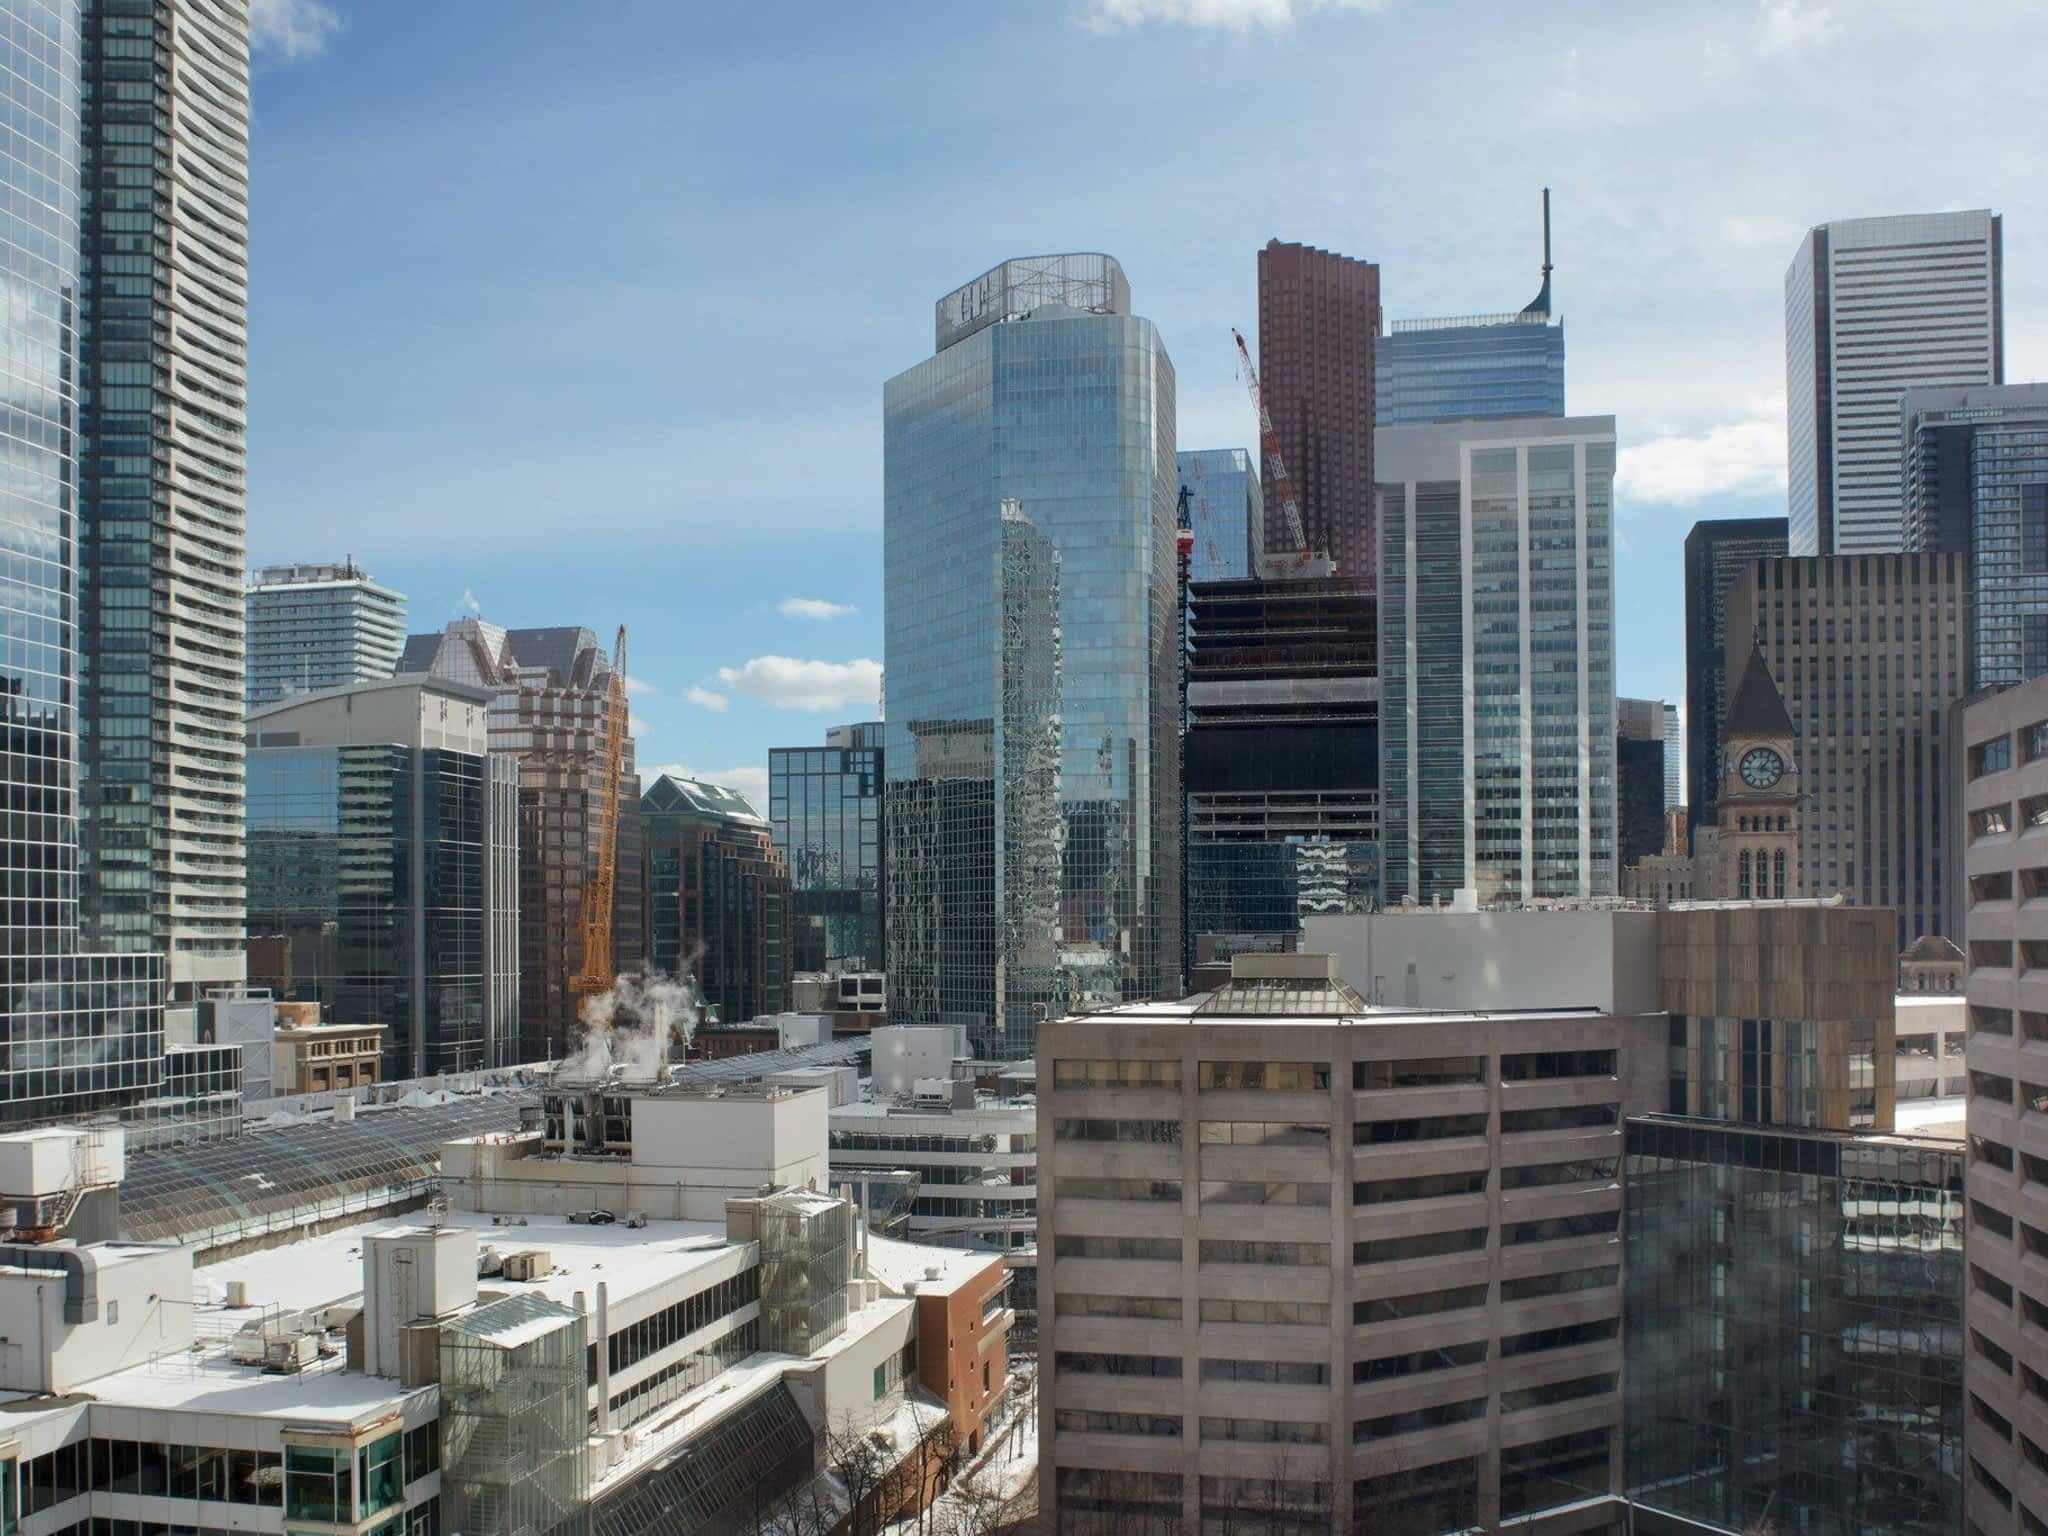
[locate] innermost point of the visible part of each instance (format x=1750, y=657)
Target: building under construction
x=551, y=693
x=1282, y=758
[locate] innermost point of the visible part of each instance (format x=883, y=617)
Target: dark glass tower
x=164, y=157
x=1033, y=783
x=79, y=1032
x=1715, y=552
x=826, y=804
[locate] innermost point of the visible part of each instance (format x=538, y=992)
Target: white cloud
x=704, y=698
x=1230, y=15
x=814, y=608
x=1792, y=26
x=750, y=781
x=639, y=686
x=291, y=29
x=784, y=682
x=1732, y=459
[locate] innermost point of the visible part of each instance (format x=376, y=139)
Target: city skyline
x=445, y=489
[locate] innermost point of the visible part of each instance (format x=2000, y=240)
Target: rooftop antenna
x=1540, y=305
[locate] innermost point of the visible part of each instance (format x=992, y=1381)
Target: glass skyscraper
x=163, y=370
x=826, y=806
x=1032, y=770
x=383, y=856
x=1977, y=484
x=79, y=1032
x=1471, y=367
x=1794, y=1340
x=1497, y=659
x=1226, y=513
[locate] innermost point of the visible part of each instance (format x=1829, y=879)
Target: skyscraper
x=79, y=1032
x=825, y=803
x=1866, y=652
x=1474, y=367
x=1319, y=321
x=1674, y=758
x=1032, y=768
x=549, y=691
x=1874, y=307
x=383, y=852
x=1497, y=659
x=163, y=370
x=717, y=897
x=1639, y=759
x=1977, y=484
x=318, y=626
x=1715, y=552
x=1226, y=513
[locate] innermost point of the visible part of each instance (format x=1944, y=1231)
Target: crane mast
x=1298, y=559
x=596, y=977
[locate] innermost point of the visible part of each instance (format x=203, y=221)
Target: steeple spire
x=1540, y=305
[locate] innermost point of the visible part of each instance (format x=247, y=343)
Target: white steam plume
x=634, y=1027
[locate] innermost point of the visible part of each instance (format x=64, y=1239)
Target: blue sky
x=580, y=313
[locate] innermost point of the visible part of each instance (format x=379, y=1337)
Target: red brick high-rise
x=1319, y=317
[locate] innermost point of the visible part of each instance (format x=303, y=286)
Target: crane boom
x=1270, y=443
x=596, y=977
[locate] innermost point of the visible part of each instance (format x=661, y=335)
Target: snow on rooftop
x=209, y=1382
x=902, y=1265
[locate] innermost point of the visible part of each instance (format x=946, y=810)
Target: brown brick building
x=1319, y=320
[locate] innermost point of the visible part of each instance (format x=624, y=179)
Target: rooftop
x=902, y=1265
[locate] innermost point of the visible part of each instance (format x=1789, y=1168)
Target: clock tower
x=1757, y=849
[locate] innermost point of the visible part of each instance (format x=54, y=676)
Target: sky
x=580, y=314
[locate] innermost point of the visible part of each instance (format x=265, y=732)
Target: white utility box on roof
x=39, y=1164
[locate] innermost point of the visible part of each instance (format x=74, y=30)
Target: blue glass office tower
x=1226, y=513
x=79, y=1032
x=1496, y=611
x=1473, y=367
x=826, y=806
x=1977, y=484
x=1032, y=774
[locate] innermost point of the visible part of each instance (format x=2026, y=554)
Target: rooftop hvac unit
x=533, y=1264
x=290, y=1353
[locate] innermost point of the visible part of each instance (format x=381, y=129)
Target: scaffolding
x=513, y=1418
x=806, y=1265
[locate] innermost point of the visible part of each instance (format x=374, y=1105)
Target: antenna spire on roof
x=1540, y=305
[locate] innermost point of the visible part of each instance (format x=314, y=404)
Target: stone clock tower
x=1758, y=843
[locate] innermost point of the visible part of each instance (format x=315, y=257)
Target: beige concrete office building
x=2003, y=748
x=1308, y=1264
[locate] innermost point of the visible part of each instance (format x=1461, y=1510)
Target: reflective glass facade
x=373, y=863
x=1226, y=513
x=717, y=898
x=164, y=375
x=1481, y=368
x=78, y=1032
x=1794, y=1335
x=1497, y=659
x=1033, y=796
x=826, y=806
x=1977, y=483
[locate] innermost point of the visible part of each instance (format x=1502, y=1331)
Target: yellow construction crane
x=596, y=976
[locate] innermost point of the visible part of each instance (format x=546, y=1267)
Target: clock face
x=1761, y=768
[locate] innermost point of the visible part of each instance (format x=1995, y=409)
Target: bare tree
x=861, y=1463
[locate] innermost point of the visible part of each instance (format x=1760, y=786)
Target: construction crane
x=596, y=976
x=1297, y=559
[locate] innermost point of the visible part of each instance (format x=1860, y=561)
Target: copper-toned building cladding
x=550, y=688
x=1319, y=320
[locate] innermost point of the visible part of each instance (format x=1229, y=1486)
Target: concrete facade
x=1206, y=1279
x=2002, y=764
x=1604, y=959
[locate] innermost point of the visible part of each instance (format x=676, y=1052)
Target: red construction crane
x=1297, y=559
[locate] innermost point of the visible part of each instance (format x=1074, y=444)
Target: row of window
x=1314, y=1076
x=1380, y=1309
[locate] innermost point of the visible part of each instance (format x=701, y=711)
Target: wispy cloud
x=785, y=682
x=1739, y=458
x=814, y=608
x=1792, y=26
x=705, y=698
x=468, y=606
x=1228, y=15
x=639, y=686
x=751, y=781
x=291, y=29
